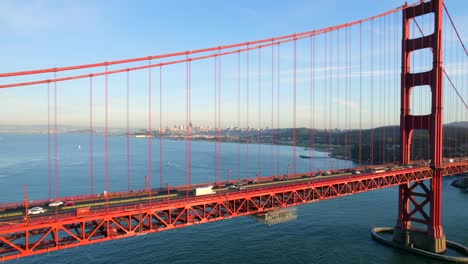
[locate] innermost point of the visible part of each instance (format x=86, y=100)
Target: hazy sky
x=43, y=34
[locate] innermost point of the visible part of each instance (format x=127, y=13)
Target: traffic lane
x=19, y=214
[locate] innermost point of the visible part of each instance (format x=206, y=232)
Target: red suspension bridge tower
x=411, y=208
x=419, y=221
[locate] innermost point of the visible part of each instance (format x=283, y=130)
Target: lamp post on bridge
x=168, y=193
x=147, y=183
x=229, y=175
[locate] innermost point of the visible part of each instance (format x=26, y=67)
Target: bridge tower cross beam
x=432, y=237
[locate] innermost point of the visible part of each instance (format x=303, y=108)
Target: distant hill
x=379, y=145
x=457, y=124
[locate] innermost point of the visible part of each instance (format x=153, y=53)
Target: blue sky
x=43, y=34
x=46, y=33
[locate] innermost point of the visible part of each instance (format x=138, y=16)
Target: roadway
x=18, y=213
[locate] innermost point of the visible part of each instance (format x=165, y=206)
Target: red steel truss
x=67, y=230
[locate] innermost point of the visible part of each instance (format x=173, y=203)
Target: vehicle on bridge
x=55, y=203
x=204, y=190
x=36, y=210
x=378, y=170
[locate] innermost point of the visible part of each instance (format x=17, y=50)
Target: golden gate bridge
x=335, y=88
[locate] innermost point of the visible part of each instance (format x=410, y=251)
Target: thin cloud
x=34, y=16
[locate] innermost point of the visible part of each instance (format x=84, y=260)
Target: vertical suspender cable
x=272, y=133
x=150, y=137
x=372, y=127
x=106, y=133
x=458, y=128
x=91, y=169
x=259, y=164
x=452, y=101
x=325, y=70
x=219, y=119
x=395, y=85
x=465, y=117
x=160, y=130
x=128, y=130
x=413, y=139
x=388, y=74
x=330, y=149
x=238, y=115
x=187, y=132
x=447, y=58
x=215, y=128
x=294, y=110
x=278, y=111
x=48, y=137
x=55, y=137
x=451, y=144
x=312, y=103
x=338, y=67
x=384, y=87
x=190, y=121
x=464, y=113
x=247, y=116
x=350, y=116
x=360, y=94
x=346, y=94
x=380, y=89
x=459, y=109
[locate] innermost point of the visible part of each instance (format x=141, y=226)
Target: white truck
x=204, y=190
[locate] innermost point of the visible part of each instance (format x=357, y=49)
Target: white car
x=36, y=210
x=56, y=203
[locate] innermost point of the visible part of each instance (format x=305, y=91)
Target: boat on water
x=304, y=156
x=461, y=182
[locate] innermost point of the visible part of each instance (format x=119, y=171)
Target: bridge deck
x=130, y=215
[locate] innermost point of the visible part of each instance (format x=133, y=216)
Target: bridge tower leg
x=419, y=203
